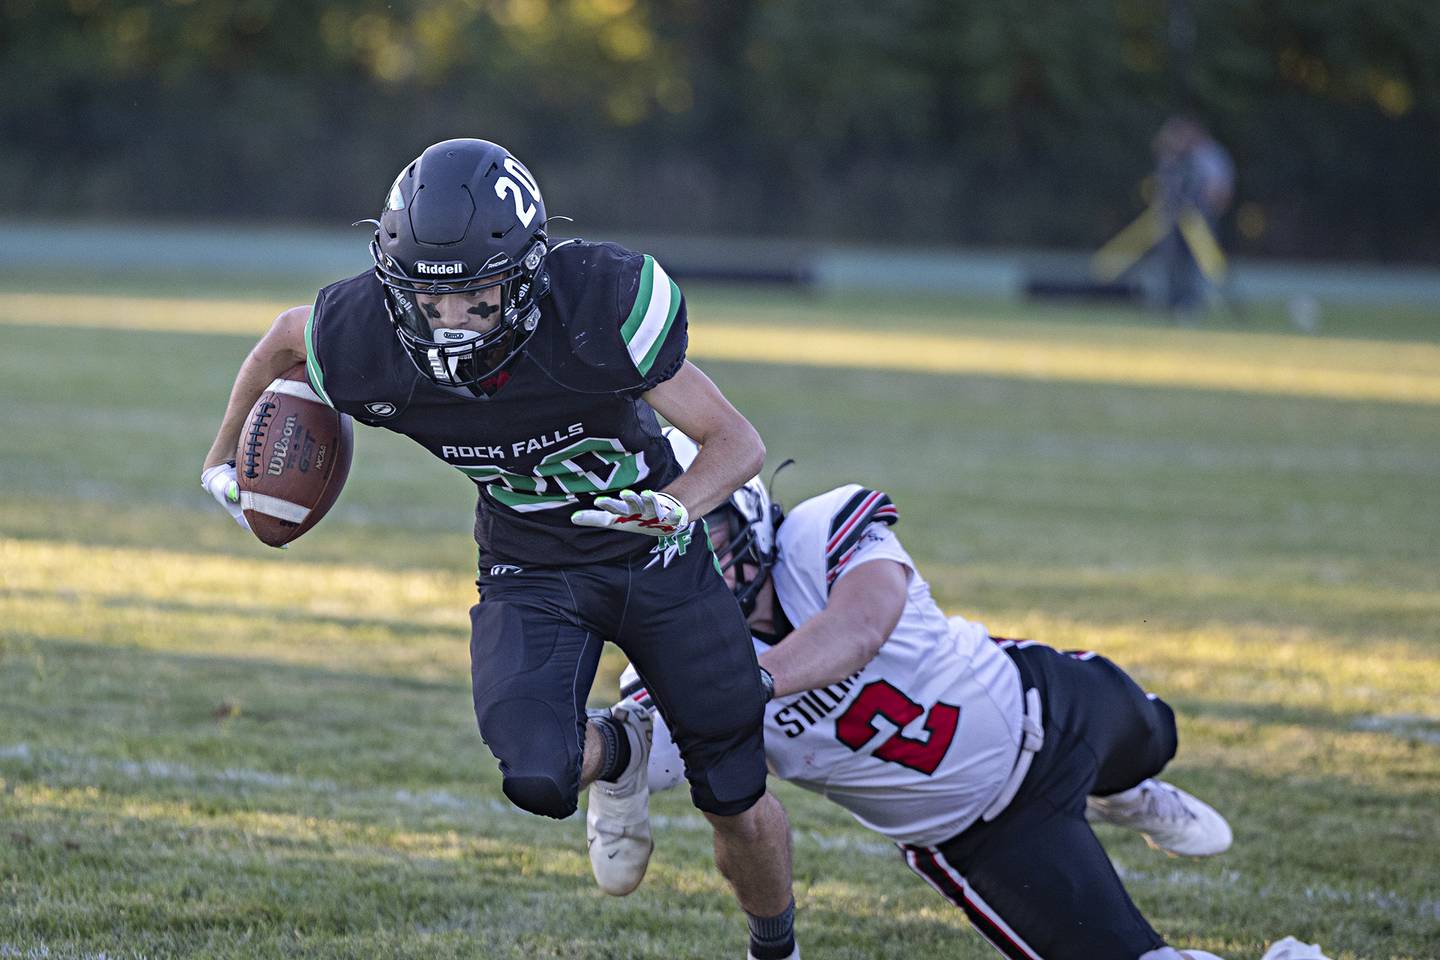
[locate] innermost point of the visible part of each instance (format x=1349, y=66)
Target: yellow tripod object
x=1124, y=250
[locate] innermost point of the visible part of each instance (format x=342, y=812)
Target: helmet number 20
x=505, y=185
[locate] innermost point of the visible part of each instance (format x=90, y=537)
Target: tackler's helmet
x=749, y=517
x=463, y=217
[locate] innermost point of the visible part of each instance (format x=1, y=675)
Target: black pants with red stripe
x=1035, y=881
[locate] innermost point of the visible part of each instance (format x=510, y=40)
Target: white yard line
x=1228, y=883
x=1405, y=726
x=1232, y=882
x=44, y=952
x=434, y=801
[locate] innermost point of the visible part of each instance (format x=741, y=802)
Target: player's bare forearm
x=724, y=463
x=278, y=350
x=731, y=451
x=864, y=608
x=818, y=654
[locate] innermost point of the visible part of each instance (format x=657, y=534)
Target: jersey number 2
x=856, y=726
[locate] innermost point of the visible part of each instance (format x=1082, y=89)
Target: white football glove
x=221, y=483
x=651, y=513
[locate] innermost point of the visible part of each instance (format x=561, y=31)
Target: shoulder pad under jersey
x=622, y=319
x=823, y=532
x=351, y=354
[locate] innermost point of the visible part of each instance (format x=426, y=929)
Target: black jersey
x=568, y=423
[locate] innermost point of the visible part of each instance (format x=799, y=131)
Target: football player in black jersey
x=537, y=368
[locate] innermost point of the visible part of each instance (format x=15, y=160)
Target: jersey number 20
x=504, y=186
x=856, y=726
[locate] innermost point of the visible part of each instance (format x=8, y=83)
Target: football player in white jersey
x=981, y=758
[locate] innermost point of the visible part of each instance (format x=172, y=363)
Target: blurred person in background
x=1195, y=183
x=537, y=368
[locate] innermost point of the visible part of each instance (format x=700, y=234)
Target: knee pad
x=539, y=754
x=540, y=795
x=1167, y=734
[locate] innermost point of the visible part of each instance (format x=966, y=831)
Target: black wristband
x=768, y=682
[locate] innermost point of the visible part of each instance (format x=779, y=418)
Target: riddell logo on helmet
x=429, y=268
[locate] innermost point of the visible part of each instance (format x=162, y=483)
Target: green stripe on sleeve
x=648, y=360
x=642, y=301
x=312, y=359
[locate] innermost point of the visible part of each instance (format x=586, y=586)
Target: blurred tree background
x=914, y=121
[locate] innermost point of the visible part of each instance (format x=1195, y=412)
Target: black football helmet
x=464, y=216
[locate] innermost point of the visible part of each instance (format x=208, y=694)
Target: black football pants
x=535, y=645
x=1035, y=881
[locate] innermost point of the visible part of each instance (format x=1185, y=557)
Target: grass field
x=210, y=748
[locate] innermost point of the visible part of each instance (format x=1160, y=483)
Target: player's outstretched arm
x=731, y=451
x=864, y=607
x=282, y=346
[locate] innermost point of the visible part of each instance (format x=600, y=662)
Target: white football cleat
x=1292, y=949
x=617, y=816
x=1170, y=819
x=1170, y=953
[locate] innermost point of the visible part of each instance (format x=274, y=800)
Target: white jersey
x=922, y=740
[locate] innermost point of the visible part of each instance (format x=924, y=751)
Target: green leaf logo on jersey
x=672, y=545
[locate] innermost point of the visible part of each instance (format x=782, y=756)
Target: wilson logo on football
x=281, y=450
